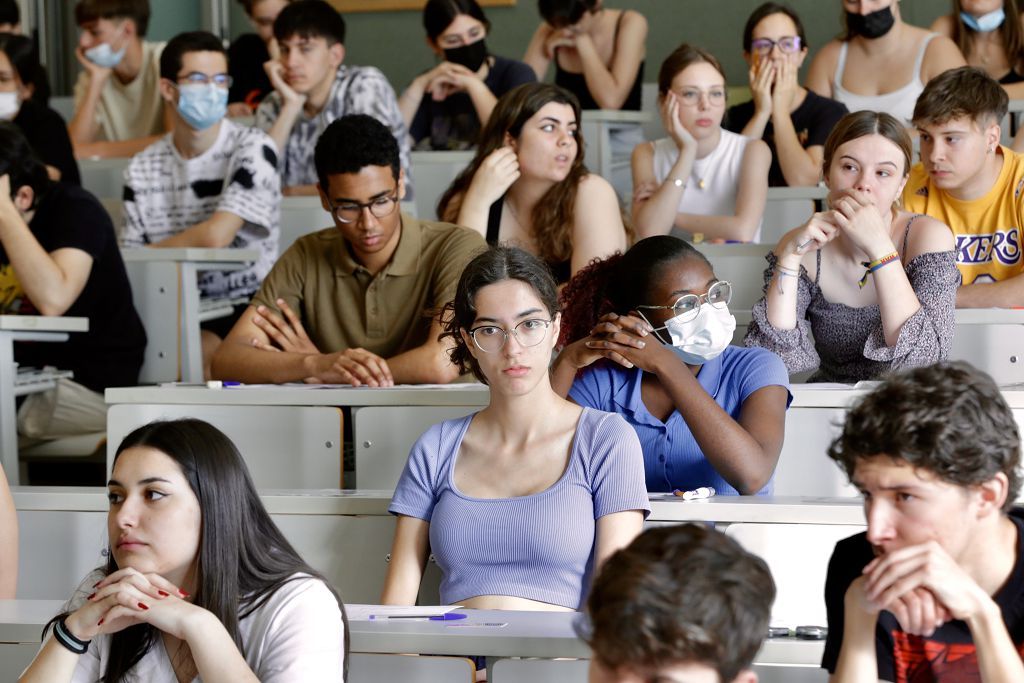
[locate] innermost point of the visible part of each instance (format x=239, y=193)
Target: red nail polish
x=91, y=596
x=143, y=605
x=96, y=584
x=100, y=622
x=183, y=593
x=163, y=594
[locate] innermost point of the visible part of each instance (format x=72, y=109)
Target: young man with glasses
x=368, y=290
x=794, y=121
x=208, y=183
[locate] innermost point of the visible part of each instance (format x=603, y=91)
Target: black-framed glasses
x=199, y=78
x=349, y=212
x=492, y=338
x=718, y=295
x=787, y=44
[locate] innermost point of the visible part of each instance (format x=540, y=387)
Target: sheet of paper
x=364, y=612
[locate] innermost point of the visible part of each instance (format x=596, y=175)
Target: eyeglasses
x=349, y=212
x=198, y=78
x=492, y=338
x=718, y=295
x=787, y=44
x=690, y=97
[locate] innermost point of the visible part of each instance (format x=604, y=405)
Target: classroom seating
x=540, y=671
x=373, y=668
x=104, y=178
x=434, y=172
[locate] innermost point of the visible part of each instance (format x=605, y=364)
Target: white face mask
x=704, y=337
x=9, y=105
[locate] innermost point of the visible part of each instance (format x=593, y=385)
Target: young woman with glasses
x=647, y=336
x=863, y=288
x=521, y=502
x=792, y=120
x=701, y=179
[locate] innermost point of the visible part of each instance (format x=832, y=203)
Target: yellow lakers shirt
x=12, y=296
x=987, y=229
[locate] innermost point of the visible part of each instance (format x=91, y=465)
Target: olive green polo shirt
x=342, y=306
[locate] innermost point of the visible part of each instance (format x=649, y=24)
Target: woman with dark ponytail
x=647, y=335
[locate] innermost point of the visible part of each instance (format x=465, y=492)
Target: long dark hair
x=438, y=15
x=1013, y=36
x=20, y=163
x=553, y=216
x=243, y=557
x=618, y=283
x=24, y=57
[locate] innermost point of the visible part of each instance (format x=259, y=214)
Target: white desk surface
x=21, y=621
x=43, y=323
x=614, y=116
x=190, y=254
x=306, y=395
x=793, y=193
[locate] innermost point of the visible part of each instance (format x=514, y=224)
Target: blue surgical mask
x=202, y=105
x=986, y=23
x=103, y=55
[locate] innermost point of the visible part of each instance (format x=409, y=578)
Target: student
x=880, y=63
x=864, y=287
x=312, y=88
x=970, y=182
x=8, y=540
x=793, y=120
x=707, y=413
x=699, y=179
x=445, y=107
x=933, y=590
x=59, y=256
x=118, y=108
x=209, y=182
x=199, y=582
x=10, y=17
x=368, y=290
x=45, y=129
x=990, y=36
x=598, y=52
x=527, y=184
x=247, y=55
x=705, y=604
x=545, y=490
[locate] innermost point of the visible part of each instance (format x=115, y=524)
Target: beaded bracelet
x=872, y=266
x=788, y=272
x=63, y=636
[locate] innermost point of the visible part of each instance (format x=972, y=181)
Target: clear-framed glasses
x=787, y=44
x=198, y=78
x=492, y=338
x=690, y=97
x=349, y=212
x=718, y=295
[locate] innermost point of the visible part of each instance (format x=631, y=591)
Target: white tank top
x=900, y=103
x=714, y=180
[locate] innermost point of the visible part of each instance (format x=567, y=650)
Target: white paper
x=364, y=612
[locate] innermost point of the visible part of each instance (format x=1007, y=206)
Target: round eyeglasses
x=687, y=306
x=492, y=338
x=349, y=212
x=787, y=44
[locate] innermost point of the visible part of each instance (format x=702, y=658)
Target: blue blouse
x=672, y=458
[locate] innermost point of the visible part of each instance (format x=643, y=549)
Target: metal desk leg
x=191, y=342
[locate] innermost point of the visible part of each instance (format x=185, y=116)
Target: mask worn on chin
x=471, y=56
x=9, y=105
x=872, y=25
x=103, y=55
x=201, y=105
x=986, y=23
x=704, y=338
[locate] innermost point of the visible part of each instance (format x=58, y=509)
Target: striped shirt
x=539, y=547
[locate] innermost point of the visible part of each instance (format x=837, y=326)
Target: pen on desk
x=449, y=616
x=218, y=384
x=696, y=494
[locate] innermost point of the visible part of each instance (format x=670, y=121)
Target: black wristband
x=63, y=636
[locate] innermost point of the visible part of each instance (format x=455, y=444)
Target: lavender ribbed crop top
x=539, y=547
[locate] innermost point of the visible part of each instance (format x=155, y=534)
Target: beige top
x=342, y=306
x=129, y=110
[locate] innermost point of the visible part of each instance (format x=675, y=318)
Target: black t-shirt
x=246, y=57
x=948, y=655
x=110, y=353
x=453, y=123
x=813, y=120
x=47, y=134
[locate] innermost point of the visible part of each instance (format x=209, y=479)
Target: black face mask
x=873, y=25
x=471, y=56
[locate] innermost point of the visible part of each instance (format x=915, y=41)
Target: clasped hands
x=623, y=339
x=447, y=78
x=852, y=213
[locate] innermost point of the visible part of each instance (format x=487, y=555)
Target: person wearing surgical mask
x=210, y=182
x=118, y=110
x=647, y=334
x=863, y=288
x=445, y=107
x=20, y=103
x=990, y=34
x=880, y=63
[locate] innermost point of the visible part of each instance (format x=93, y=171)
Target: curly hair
x=680, y=594
x=350, y=144
x=554, y=215
x=949, y=419
x=497, y=264
x=618, y=283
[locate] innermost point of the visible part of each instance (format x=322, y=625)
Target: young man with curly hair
x=934, y=590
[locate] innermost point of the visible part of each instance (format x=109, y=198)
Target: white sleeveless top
x=900, y=103
x=719, y=171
